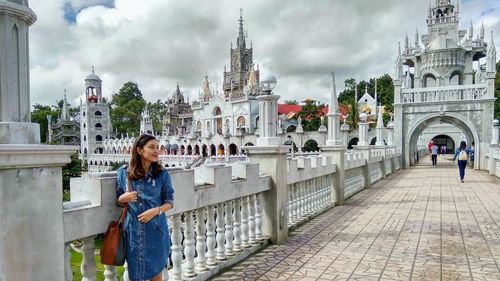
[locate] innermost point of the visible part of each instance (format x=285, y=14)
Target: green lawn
x=76, y=261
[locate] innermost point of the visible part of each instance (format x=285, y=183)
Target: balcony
x=440, y=94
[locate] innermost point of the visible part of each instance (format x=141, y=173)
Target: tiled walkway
x=418, y=224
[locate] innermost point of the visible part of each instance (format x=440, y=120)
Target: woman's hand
x=148, y=215
x=128, y=197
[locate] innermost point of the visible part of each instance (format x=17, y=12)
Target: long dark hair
x=136, y=171
x=463, y=145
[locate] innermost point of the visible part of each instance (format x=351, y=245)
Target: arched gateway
x=448, y=78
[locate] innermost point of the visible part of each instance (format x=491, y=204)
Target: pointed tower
x=380, y=128
x=146, y=123
x=241, y=61
x=95, y=121
x=64, y=111
x=333, y=117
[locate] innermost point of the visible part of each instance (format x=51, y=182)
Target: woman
x=151, y=195
x=462, y=152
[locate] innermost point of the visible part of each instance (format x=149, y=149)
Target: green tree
x=39, y=115
x=71, y=170
x=157, y=110
x=126, y=108
x=311, y=114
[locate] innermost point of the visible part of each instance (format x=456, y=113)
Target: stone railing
x=440, y=94
x=217, y=217
x=218, y=214
x=493, y=160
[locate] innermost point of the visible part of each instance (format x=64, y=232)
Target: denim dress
x=148, y=243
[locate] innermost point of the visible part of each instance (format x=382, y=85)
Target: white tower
x=95, y=121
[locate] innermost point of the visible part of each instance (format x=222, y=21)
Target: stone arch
x=241, y=121
x=233, y=149
x=291, y=128
x=411, y=137
x=204, y=150
x=310, y=146
x=189, y=149
x=213, y=150
x=351, y=142
x=221, y=149
x=455, y=77
x=430, y=79
x=196, y=150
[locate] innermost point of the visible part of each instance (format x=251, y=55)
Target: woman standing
x=462, y=152
x=151, y=195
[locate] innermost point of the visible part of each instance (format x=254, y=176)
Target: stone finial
x=491, y=56
x=398, y=66
x=334, y=103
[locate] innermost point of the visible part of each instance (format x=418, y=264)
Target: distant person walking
x=434, y=154
x=462, y=153
x=429, y=148
x=443, y=150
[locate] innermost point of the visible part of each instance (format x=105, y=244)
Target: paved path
x=417, y=224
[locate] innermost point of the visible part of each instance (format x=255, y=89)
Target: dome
x=92, y=76
x=496, y=122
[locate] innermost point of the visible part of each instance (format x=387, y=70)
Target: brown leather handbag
x=114, y=245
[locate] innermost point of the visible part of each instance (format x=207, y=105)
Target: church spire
x=240, y=42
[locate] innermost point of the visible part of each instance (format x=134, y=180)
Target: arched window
x=429, y=80
x=98, y=126
x=84, y=137
x=257, y=122
x=98, y=114
x=198, y=126
x=83, y=113
x=98, y=138
x=217, y=111
x=455, y=78
x=240, y=121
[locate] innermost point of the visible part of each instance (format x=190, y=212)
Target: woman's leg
x=157, y=277
x=461, y=168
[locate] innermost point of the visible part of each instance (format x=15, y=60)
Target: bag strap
x=124, y=212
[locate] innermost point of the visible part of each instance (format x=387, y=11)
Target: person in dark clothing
x=462, y=153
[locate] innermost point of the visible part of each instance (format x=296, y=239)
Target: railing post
x=337, y=154
x=189, y=242
x=176, y=247
x=237, y=225
x=228, y=221
x=200, y=240
x=87, y=267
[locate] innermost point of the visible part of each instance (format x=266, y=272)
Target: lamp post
x=268, y=113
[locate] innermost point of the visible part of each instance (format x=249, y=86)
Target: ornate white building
x=95, y=121
x=439, y=86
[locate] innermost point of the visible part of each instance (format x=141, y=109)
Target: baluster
x=125, y=272
x=329, y=190
x=219, y=221
x=290, y=204
x=176, y=247
x=87, y=267
x=228, y=219
x=200, y=240
x=68, y=274
x=237, y=226
x=210, y=236
x=244, y=223
x=110, y=273
x=258, y=217
x=309, y=185
x=251, y=219
x=315, y=196
x=302, y=211
x=189, y=245
x=296, y=204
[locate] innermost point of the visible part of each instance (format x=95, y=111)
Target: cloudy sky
x=158, y=43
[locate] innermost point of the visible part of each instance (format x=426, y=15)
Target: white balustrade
x=201, y=264
x=251, y=220
x=189, y=245
x=244, y=223
x=176, y=248
x=228, y=220
x=110, y=273
x=237, y=226
x=211, y=236
x=220, y=237
x=258, y=217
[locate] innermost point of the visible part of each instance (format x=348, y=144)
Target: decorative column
x=334, y=148
x=363, y=130
x=380, y=129
x=390, y=132
x=32, y=233
x=271, y=156
x=495, y=131
x=398, y=107
x=300, y=133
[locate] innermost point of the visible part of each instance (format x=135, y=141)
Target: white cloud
x=158, y=43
